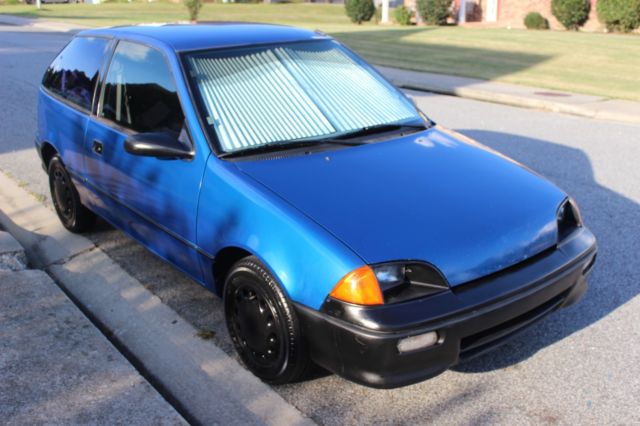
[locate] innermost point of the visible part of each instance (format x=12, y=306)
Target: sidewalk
x=55, y=366
x=503, y=93
x=516, y=95
x=205, y=384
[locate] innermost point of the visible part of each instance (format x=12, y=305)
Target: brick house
x=511, y=13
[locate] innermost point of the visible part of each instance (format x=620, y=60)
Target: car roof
x=208, y=35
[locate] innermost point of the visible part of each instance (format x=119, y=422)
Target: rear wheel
x=263, y=325
x=73, y=215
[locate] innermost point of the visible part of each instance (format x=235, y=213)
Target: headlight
x=389, y=283
x=390, y=275
x=400, y=281
x=569, y=218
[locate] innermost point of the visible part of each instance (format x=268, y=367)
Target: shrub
x=403, y=15
x=434, y=12
x=571, y=13
x=535, y=21
x=619, y=15
x=194, y=7
x=359, y=11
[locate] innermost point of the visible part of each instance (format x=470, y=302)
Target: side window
x=74, y=72
x=139, y=91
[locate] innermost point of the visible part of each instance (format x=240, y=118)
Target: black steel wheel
x=73, y=215
x=262, y=324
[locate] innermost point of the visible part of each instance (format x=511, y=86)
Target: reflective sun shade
x=256, y=96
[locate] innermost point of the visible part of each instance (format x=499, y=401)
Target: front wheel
x=263, y=325
x=73, y=215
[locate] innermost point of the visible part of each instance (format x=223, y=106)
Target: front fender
x=237, y=211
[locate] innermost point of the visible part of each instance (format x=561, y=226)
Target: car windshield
x=278, y=94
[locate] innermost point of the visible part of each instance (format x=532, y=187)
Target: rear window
x=74, y=72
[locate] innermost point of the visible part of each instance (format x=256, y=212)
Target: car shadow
x=613, y=281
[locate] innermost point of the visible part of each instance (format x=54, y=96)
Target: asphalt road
x=578, y=366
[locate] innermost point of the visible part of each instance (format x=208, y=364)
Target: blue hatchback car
x=278, y=169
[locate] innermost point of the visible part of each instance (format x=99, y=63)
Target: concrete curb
x=41, y=24
x=57, y=368
x=12, y=256
x=505, y=99
x=594, y=107
x=206, y=385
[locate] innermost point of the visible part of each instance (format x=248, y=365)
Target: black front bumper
x=361, y=344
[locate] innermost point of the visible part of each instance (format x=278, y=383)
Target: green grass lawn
x=598, y=64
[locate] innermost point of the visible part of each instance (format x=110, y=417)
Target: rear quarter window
x=74, y=72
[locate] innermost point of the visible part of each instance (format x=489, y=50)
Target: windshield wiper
x=345, y=139
x=381, y=128
x=281, y=146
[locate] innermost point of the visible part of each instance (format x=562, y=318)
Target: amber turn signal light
x=360, y=287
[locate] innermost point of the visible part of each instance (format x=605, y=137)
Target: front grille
x=478, y=343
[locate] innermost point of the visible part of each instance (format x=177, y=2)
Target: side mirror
x=157, y=144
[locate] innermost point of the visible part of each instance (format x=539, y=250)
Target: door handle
x=97, y=147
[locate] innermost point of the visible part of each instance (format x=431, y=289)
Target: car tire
x=263, y=325
x=64, y=195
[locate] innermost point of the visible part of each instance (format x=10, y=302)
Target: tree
x=619, y=15
x=434, y=12
x=359, y=11
x=194, y=7
x=571, y=13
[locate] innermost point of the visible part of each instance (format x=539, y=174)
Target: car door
x=154, y=200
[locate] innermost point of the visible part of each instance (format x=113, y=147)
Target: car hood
x=434, y=196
